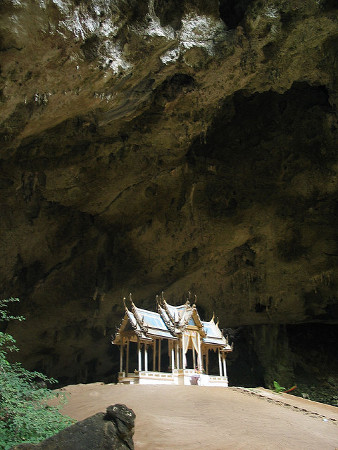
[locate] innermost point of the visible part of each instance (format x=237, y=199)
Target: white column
x=224, y=366
x=199, y=356
x=127, y=358
x=184, y=359
x=159, y=355
x=172, y=357
x=146, y=357
x=121, y=357
x=193, y=357
x=139, y=356
x=219, y=362
x=154, y=355
x=177, y=355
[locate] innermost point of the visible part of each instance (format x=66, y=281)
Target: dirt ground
x=195, y=417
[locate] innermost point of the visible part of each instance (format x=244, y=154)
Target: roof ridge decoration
x=139, y=319
x=134, y=326
x=186, y=321
x=170, y=324
x=189, y=313
x=117, y=332
x=200, y=322
x=165, y=306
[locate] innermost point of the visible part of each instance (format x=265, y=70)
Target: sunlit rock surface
x=176, y=146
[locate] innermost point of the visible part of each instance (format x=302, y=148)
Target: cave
x=178, y=147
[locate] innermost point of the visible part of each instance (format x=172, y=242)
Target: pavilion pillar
x=139, y=356
x=159, y=355
x=184, y=358
x=177, y=355
x=127, y=358
x=154, y=355
x=224, y=366
x=146, y=357
x=207, y=362
x=219, y=362
x=199, y=356
x=172, y=357
x=121, y=357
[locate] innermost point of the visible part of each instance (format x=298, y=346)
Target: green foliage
x=26, y=414
x=278, y=388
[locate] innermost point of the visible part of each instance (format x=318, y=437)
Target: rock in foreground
x=113, y=430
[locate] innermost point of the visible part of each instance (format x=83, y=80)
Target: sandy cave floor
x=195, y=417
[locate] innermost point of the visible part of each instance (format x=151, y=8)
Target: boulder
x=112, y=430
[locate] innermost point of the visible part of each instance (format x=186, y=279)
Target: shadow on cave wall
x=315, y=360
x=232, y=12
x=257, y=144
x=309, y=359
x=256, y=147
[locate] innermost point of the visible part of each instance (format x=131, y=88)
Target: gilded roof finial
x=131, y=301
x=158, y=303
x=213, y=316
x=217, y=321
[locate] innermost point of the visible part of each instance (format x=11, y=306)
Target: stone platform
x=177, y=377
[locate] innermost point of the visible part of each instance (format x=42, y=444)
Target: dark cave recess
x=310, y=357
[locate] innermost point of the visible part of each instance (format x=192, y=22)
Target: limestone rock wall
x=165, y=145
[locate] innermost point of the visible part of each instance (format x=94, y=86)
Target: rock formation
x=170, y=145
x=111, y=431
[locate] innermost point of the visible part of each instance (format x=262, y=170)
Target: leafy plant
x=278, y=388
x=25, y=411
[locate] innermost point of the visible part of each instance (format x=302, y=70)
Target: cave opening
x=243, y=365
x=314, y=355
x=310, y=359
